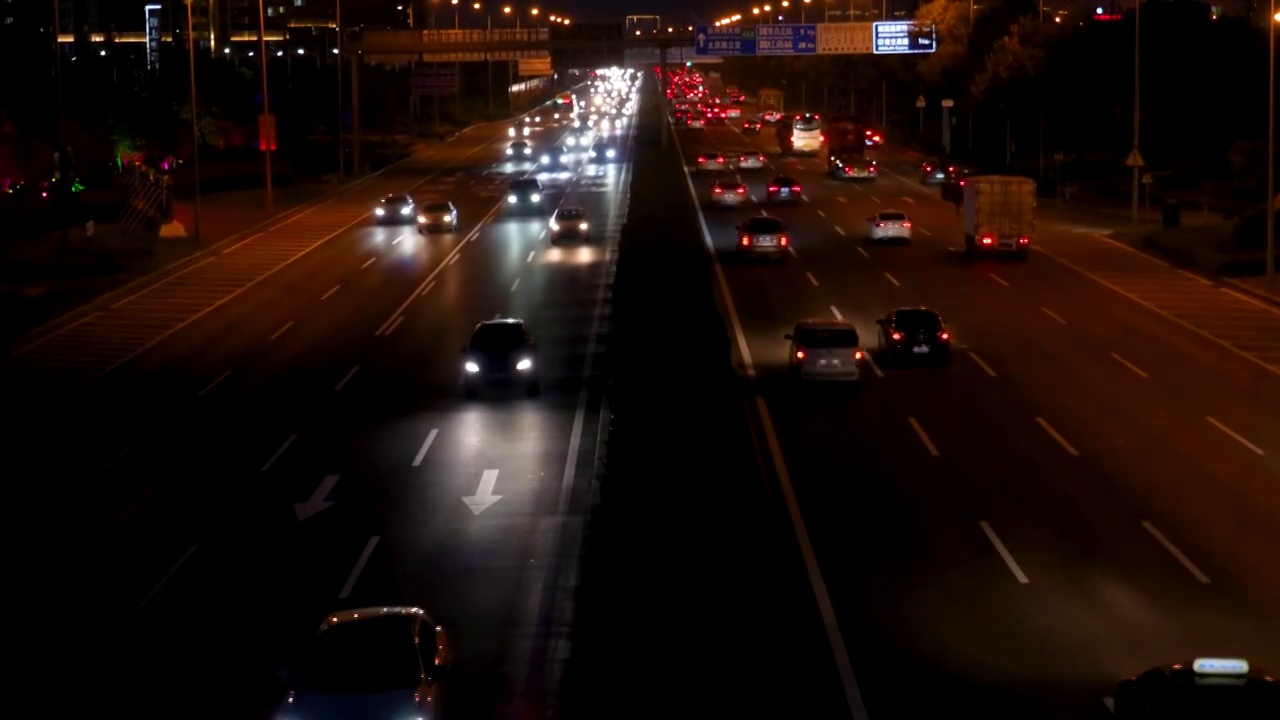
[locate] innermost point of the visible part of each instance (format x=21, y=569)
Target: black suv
x=501, y=352
x=526, y=195
x=911, y=333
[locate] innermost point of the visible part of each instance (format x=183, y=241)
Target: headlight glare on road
x=471, y=367
x=524, y=364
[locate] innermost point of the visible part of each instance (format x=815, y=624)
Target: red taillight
x=896, y=336
x=848, y=171
x=717, y=190
x=987, y=239
x=822, y=138
x=417, y=697
x=795, y=188
x=879, y=224
x=742, y=191
x=799, y=354
x=783, y=241
x=944, y=336
x=906, y=224
x=1024, y=240
x=857, y=354
x=872, y=168
x=746, y=239
x=702, y=159
x=773, y=188
x=875, y=138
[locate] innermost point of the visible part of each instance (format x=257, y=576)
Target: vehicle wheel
x=534, y=389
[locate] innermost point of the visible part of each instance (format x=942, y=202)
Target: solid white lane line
x=836, y=311
x=393, y=242
x=515, y=285
x=531, y=254
x=281, y=331
x=872, y=363
x=359, y=568
x=395, y=325
x=924, y=437
x=1130, y=365
x=1238, y=438
x=1252, y=301
x=276, y=455
x=838, y=230
x=907, y=199
x=454, y=259
x=426, y=445
x=1049, y=312
x=865, y=254
x=1135, y=251
x=211, y=385
x=998, y=279
x=167, y=576
x=982, y=364
x=1176, y=553
x=926, y=232
x=792, y=249
x=893, y=279
x=332, y=290
x=368, y=262
x=821, y=214
x=1004, y=552
x=841, y=198
x=873, y=197
x=812, y=279
x=346, y=379
x=1054, y=434
x=427, y=289
x=1195, y=277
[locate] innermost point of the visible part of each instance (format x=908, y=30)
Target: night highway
x=274, y=447
x=1085, y=489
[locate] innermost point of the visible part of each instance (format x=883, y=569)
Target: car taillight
x=906, y=224
x=822, y=138
x=848, y=171
x=879, y=224
x=702, y=159
x=799, y=354
x=717, y=190
x=872, y=168
x=1024, y=240
x=896, y=336
x=795, y=188
x=857, y=354
x=773, y=188
x=746, y=239
x=944, y=336
x=987, y=239
x=875, y=138
x=742, y=191
x=783, y=241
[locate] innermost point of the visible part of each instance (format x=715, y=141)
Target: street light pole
x=195, y=118
x=1271, y=148
x=337, y=17
x=1137, y=58
x=266, y=104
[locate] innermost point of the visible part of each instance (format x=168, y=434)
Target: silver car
x=712, y=162
x=889, y=225
x=728, y=193
x=825, y=349
x=751, y=161
x=763, y=235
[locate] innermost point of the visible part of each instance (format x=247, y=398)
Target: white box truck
x=999, y=214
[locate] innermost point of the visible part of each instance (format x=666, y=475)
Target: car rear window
x=921, y=320
x=764, y=225
x=893, y=216
x=363, y=656
x=827, y=338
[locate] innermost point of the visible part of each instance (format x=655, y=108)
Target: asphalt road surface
x=1087, y=490
x=280, y=432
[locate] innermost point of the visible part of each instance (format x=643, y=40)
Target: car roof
x=500, y=321
x=824, y=324
x=366, y=613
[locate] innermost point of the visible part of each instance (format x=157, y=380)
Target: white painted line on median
x=454, y=259
x=531, y=254
x=426, y=445
x=836, y=311
x=359, y=568
x=427, y=289
x=907, y=199
x=873, y=197
x=924, y=437
x=1253, y=301
x=1202, y=333
x=393, y=242
x=1176, y=553
x=982, y=364
x=515, y=285
x=864, y=253
x=214, y=384
x=874, y=367
x=893, y=279
x=926, y=232
x=1238, y=438
x=332, y=290
x=242, y=242
x=1135, y=251
x=276, y=455
x=812, y=279
x=1050, y=313
x=351, y=374
x=821, y=214
x=395, y=325
x=998, y=279
x=838, y=230
x=841, y=198
x=1195, y=277
x=1130, y=365
x=792, y=249
x=1056, y=436
x=281, y=331
x=1110, y=703
x=167, y=576
x=1004, y=552
x=368, y=262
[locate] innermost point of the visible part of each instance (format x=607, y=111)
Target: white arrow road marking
x=484, y=496
x=318, y=500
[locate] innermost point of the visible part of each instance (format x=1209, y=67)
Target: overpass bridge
x=499, y=45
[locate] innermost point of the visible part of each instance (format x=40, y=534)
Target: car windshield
x=519, y=145
x=827, y=337
x=807, y=123
x=362, y=656
x=918, y=320
x=571, y=214
x=438, y=207
x=525, y=186
x=895, y=216
x=396, y=200
x=764, y=225
x=497, y=337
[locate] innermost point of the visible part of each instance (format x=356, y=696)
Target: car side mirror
x=788, y=337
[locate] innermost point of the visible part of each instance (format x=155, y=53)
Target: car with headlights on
x=889, y=226
x=437, y=217
x=526, y=195
x=727, y=194
x=711, y=162
x=519, y=150
x=570, y=223
x=555, y=157
x=784, y=189
x=695, y=121
x=751, y=127
x=763, y=236
x=824, y=349
x=501, y=353
x=579, y=137
x=394, y=210
x=376, y=662
x=910, y=333
x=750, y=160
x=601, y=152
x=521, y=130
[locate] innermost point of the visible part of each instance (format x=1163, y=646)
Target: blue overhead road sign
x=724, y=40
x=785, y=39
x=900, y=37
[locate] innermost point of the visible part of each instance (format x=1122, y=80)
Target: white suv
x=825, y=349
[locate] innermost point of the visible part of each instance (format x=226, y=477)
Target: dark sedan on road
x=910, y=333
x=602, y=153
x=784, y=189
x=763, y=236
x=437, y=217
x=501, y=352
x=526, y=195
x=373, y=662
x=394, y=210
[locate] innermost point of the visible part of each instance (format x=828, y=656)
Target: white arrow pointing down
x=317, y=501
x=484, y=496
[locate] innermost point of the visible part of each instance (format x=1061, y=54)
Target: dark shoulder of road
x=692, y=596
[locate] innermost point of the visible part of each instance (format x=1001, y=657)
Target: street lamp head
x=475, y=6
x=1276, y=17
x=755, y=11
x=533, y=11
x=453, y=2
x=768, y=8
x=566, y=21
x=506, y=9
x=786, y=3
